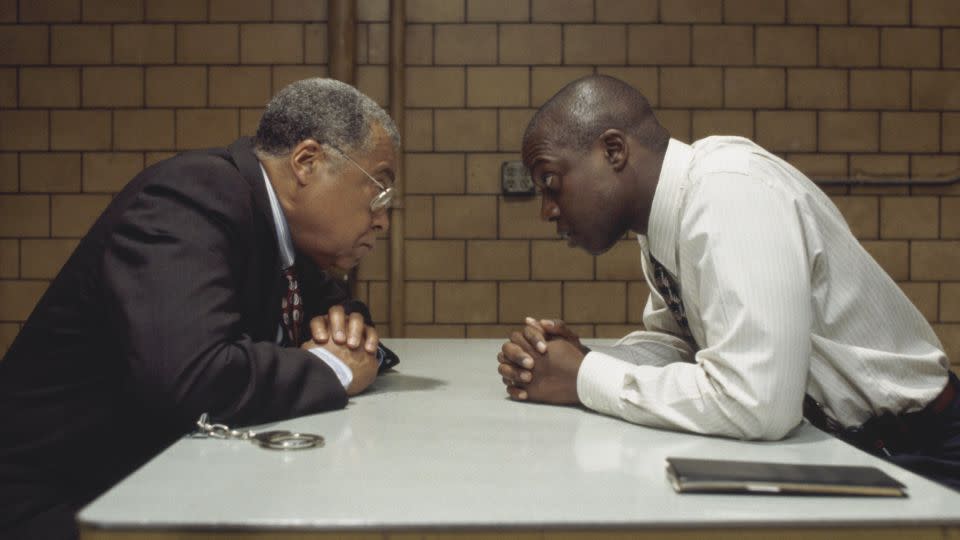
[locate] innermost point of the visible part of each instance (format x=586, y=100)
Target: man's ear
x=615, y=149
x=306, y=159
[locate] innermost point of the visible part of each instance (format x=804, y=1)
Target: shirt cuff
x=344, y=373
x=600, y=381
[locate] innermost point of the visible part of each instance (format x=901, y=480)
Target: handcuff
x=273, y=440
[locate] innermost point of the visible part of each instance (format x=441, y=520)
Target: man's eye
x=548, y=181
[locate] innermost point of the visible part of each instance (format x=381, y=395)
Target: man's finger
x=513, y=354
x=318, y=329
x=517, y=376
x=373, y=340
x=355, y=328
x=337, y=325
x=534, y=336
x=519, y=394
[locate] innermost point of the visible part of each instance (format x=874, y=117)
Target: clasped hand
x=351, y=340
x=541, y=361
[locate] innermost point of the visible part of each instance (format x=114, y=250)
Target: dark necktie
x=671, y=296
x=291, y=308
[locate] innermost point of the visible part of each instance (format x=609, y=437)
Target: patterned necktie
x=671, y=296
x=291, y=308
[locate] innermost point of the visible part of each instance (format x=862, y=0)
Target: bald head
x=581, y=111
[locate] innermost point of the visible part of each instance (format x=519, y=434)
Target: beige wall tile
x=176, y=86
x=143, y=43
x=483, y=171
x=80, y=44
x=205, y=128
x=175, y=10
x=754, y=87
x=315, y=44
x=112, y=11
x=909, y=217
x=540, y=299
x=435, y=259
x=49, y=87
x=498, y=259
x=435, y=86
x=109, y=172
x=951, y=48
x=497, y=11
x=924, y=296
x=113, y=87
x=24, y=130
x=465, y=216
x=72, y=215
x=614, y=331
x=375, y=266
x=373, y=10
x=9, y=172
x=373, y=81
x=626, y=11
x=658, y=45
x=513, y=123
x=434, y=173
x=935, y=260
x=236, y=86
x=418, y=307
x=881, y=12
x=208, y=43
x=458, y=129
x=637, y=294
x=49, y=11
x=435, y=10
x=830, y=166
x=379, y=304
x=849, y=131
x=280, y=43
x=707, y=123
x=817, y=89
x=249, y=121
x=595, y=302
x=284, y=75
x=698, y=11
x=19, y=298
x=816, y=12
x=910, y=47
x=465, y=44
x=418, y=44
x=240, y=10
x=530, y=44
x=9, y=258
x=936, y=13
x=498, y=87
x=418, y=216
x=893, y=166
x=562, y=10
x=594, y=44
x=893, y=257
x=25, y=44
x=754, y=11
x=467, y=302
x=645, y=79
x=418, y=132
x=437, y=331
x=300, y=10
x=8, y=88
x=43, y=258
x=490, y=331
x=554, y=260
x=786, y=45
x=678, y=123
x=547, y=81
x=936, y=90
x=24, y=216
x=50, y=172
x=780, y=131
x=152, y=158
x=520, y=218
x=950, y=302
x=378, y=49
x=8, y=11
x=143, y=129
x=950, y=132
x=879, y=89
x=909, y=132
x=934, y=166
x=849, y=47
x=950, y=216
x=700, y=87
x=622, y=262
x=723, y=45
x=80, y=130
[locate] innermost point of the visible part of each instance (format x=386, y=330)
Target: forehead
x=383, y=149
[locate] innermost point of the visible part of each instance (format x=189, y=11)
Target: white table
x=436, y=447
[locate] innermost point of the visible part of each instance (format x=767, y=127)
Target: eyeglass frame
x=384, y=198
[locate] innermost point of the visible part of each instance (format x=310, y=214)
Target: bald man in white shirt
x=763, y=309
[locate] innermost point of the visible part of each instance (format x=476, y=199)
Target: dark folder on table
x=719, y=476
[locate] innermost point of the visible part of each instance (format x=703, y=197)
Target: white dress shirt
x=287, y=258
x=781, y=300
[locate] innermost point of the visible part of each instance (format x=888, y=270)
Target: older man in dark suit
x=198, y=291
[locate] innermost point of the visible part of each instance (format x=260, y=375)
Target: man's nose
x=549, y=211
x=381, y=220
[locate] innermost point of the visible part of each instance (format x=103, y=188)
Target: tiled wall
x=92, y=90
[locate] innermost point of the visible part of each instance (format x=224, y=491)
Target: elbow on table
x=766, y=423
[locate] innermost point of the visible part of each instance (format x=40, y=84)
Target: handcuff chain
x=222, y=431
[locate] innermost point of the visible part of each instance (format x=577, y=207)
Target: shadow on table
x=393, y=381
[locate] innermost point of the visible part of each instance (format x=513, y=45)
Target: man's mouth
x=568, y=236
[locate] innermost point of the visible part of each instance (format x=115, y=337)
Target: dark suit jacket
x=168, y=308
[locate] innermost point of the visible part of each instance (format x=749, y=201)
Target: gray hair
x=328, y=111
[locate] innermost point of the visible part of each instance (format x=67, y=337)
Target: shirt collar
x=287, y=256
x=663, y=226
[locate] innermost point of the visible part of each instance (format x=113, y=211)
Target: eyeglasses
x=384, y=198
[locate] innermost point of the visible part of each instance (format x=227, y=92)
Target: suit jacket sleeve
x=173, y=268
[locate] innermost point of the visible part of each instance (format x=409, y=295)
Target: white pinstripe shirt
x=781, y=299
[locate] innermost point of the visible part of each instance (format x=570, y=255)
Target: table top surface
x=437, y=444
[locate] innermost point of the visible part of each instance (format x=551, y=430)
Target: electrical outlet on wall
x=515, y=179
